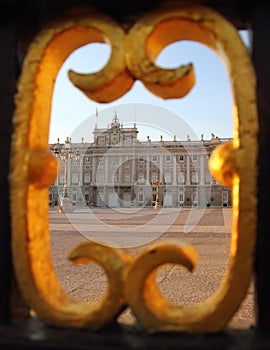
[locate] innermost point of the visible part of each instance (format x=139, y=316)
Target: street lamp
x=157, y=184
x=65, y=153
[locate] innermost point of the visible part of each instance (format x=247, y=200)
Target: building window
x=225, y=197
x=181, y=178
x=195, y=197
x=141, y=179
x=194, y=179
x=127, y=179
x=181, y=197
x=86, y=179
x=140, y=197
x=154, y=158
x=141, y=158
x=86, y=159
x=154, y=178
x=181, y=158
x=167, y=158
x=195, y=158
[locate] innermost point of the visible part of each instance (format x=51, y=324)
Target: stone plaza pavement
x=208, y=230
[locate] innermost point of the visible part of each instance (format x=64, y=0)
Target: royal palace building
x=118, y=170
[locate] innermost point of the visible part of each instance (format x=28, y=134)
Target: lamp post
x=157, y=184
x=65, y=153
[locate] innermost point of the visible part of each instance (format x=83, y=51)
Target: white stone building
x=118, y=170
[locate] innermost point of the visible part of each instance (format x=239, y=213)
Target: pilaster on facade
x=188, y=170
x=174, y=169
x=202, y=169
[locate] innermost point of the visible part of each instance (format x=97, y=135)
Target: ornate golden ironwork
x=33, y=168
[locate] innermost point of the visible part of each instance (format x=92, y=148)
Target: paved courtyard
x=207, y=229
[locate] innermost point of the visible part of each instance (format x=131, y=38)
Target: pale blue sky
x=206, y=109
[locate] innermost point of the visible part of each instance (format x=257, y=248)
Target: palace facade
x=118, y=170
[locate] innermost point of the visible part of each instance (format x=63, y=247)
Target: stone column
x=174, y=169
x=120, y=172
x=188, y=170
x=202, y=172
x=69, y=171
x=106, y=170
x=160, y=175
x=147, y=169
x=81, y=172
x=132, y=169
x=94, y=169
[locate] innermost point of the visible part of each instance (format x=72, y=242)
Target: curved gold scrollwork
x=33, y=168
x=142, y=291
x=114, y=79
x=144, y=42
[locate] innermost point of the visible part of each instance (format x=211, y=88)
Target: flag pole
x=96, y=117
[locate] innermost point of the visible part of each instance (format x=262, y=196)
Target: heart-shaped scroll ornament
x=130, y=280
